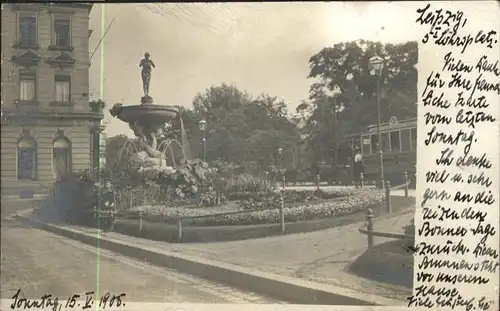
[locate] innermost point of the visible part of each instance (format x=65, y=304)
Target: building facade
x=47, y=126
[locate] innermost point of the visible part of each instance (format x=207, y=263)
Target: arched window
x=26, y=157
x=61, y=156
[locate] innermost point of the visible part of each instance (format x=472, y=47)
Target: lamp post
x=376, y=64
x=203, y=127
x=280, y=152
x=334, y=94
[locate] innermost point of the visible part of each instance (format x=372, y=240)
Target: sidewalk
x=321, y=256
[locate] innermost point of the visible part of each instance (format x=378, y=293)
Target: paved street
x=38, y=262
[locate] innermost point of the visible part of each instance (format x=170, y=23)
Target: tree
x=217, y=102
x=345, y=65
x=244, y=129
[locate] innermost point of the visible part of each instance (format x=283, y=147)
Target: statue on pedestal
x=147, y=67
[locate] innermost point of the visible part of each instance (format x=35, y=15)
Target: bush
x=292, y=197
x=236, y=196
x=75, y=196
x=261, y=203
x=318, y=194
x=147, y=193
x=248, y=183
x=358, y=202
x=409, y=231
x=189, y=180
x=211, y=198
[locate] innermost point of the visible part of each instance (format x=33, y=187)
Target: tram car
x=399, y=146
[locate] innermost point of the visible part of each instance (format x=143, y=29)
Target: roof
x=73, y=3
x=393, y=124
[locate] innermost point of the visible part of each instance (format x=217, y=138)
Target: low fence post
x=388, y=196
x=162, y=218
x=282, y=212
x=283, y=179
x=179, y=229
x=140, y=221
x=406, y=184
x=362, y=179
x=318, y=179
x=369, y=226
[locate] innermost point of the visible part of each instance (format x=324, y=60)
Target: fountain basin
x=148, y=122
x=147, y=113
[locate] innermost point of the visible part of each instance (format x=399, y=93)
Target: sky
x=258, y=47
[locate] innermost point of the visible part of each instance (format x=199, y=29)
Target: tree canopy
x=244, y=129
x=346, y=66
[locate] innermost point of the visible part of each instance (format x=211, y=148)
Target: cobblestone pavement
x=321, y=256
x=38, y=262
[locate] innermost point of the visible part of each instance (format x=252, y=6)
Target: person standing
x=358, y=167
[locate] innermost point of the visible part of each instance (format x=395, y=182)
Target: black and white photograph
x=211, y=152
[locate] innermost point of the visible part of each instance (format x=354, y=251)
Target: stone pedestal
x=146, y=100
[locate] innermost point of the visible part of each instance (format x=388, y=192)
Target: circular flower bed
x=357, y=202
x=293, y=197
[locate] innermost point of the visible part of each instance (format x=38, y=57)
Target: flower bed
x=235, y=196
x=294, y=195
x=355, y=203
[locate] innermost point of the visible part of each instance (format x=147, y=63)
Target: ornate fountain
x=148, y=120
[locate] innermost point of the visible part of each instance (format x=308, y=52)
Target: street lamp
x=333, y=94
x=203, y=127
x=376, y=64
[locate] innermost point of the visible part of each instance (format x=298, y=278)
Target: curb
x=393, y=215
x=285, y=288
x=214, y=234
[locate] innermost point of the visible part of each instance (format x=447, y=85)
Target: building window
x=375, y=146
x=27, y=30
x=414, y=138
x=405, y=140
x=61, y=34
x=26, y=158
x=386, y=144
x=62, y=90
x=367, y=145
x=61, y=156
x=27, y=85
x=395, y=142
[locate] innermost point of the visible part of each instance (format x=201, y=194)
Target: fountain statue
x=147, y=121
x=147, y=65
